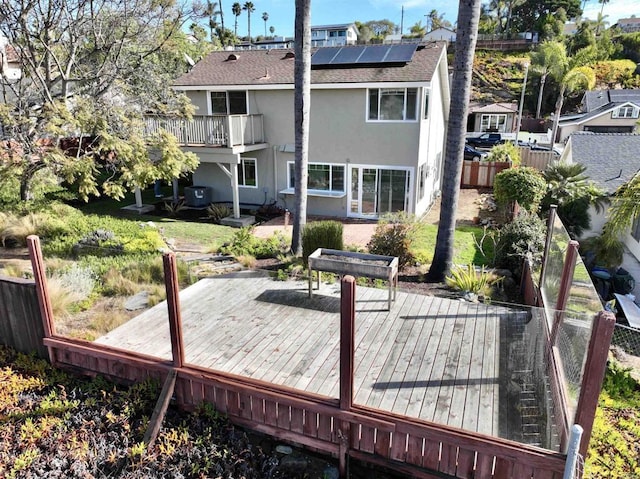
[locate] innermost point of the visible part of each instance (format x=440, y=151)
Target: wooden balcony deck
x=428, y=357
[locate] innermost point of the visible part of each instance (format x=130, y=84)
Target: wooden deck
x=428, y=357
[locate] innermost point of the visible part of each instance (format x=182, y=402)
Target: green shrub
x=504, y=152
x=602, y=251
x=244, y=243
x=523, y=238
x=321, y=234
x=216, y=212
x=393, y=237
x=471, y=280
x=523, y=184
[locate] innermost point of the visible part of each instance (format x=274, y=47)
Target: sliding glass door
x=376, y=191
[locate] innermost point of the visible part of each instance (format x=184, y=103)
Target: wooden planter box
x=354, y=264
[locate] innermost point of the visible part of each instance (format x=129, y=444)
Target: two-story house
x=629, y=25
x=603, y=111
x=334, y=35
x=377, y=127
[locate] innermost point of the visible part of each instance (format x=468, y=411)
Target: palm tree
x=272, y=29
x=301, y=102
x=265, y=17
x=212, y=12
x=467, y=34
x=549, y=59
x=236, y=9
x=576, y=78
x=250, y=8
x=221, y=16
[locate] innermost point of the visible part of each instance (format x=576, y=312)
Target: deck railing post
x=547, y=243
x=565, y=287
x=347, y=349
x=347, y=340
x=173, y=305
x=44, y=302
x=594, y=369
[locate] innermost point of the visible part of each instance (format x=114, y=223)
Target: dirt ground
x=358, y=232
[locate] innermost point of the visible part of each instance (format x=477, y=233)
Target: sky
x=327, y=12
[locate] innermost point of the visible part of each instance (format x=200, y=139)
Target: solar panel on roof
x=323, y=56
x=401, y=53
x=363, y=55
x=374, y=54
x=348, y=55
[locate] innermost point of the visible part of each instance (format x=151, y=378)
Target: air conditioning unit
x=198, y=196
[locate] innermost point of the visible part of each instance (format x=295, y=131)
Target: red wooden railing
x=334, y=426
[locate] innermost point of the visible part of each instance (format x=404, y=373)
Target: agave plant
x=470, y=280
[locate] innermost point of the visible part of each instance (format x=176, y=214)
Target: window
x=247, y=173
x=426, y=104
x=322, y=177
x=393, y=104
x=628, y=111
x=229, y=102
x=421, y=178
x=493, y=123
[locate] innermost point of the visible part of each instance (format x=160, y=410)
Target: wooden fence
x=335, y=426
x=20, y=321
x=480, y=174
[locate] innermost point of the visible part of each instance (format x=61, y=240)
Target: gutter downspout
x=275, y=173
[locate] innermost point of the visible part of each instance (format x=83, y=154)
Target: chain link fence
x=627, y=339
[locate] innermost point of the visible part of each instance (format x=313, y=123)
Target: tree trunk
x=302, y=102
x=467, y=34
x=556, y=118
x=543, y=79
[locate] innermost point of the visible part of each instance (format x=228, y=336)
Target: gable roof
x=611, y=159
x=494, y=108
x=595, y=99
x=275, y=67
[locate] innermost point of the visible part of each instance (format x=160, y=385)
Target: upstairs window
x=393, y=104
x=229, y=102
x=628, y=111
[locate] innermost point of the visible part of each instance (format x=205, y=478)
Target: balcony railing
x=211, y=130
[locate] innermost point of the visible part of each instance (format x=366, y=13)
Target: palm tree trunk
x=221, y=19
x=249, y=25
x=556, y=118
x=543, y=79
x=302, y=102
x=467, y=34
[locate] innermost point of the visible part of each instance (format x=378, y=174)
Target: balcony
x=222, y=131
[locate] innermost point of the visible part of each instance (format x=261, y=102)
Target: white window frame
x=425, y=103
x=404, y=108
x=316, y=192
x=226, y=92
x=241, y=172
x=626, y=111
x=493, y=118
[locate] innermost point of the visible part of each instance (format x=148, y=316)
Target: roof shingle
x=275, y=67
x=611, y=159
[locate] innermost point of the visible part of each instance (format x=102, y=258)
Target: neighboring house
x=268, y=44
x=10, y=69
x=611, y=160
x=494, y=118
x=603, y=111
x=629, y=25
x=377, y=127
x=570, y=28
x=334, y=35
x=440, y=34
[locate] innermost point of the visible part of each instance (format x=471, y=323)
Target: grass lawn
x=210, y=235
x=465, y=248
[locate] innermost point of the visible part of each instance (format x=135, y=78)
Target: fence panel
x=481, y=174
x=536, y=159
x=20, y=320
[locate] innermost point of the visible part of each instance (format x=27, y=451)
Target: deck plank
x=428, y=357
